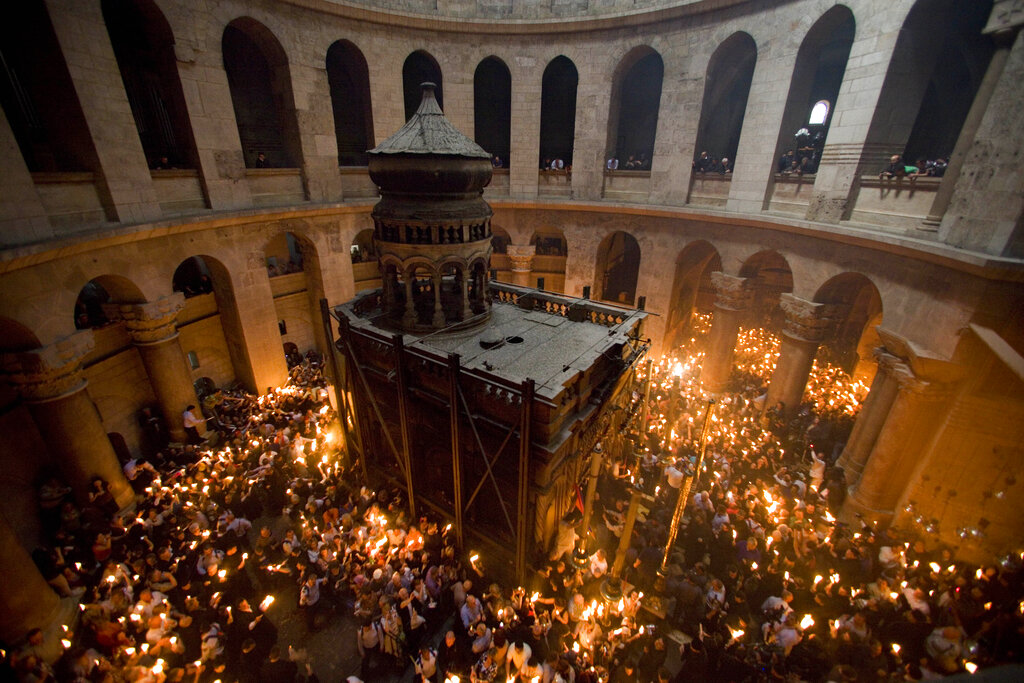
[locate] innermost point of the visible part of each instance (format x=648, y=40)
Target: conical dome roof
x=429, y=132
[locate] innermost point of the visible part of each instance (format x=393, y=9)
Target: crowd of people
x=706, y=163
x=762, y=580
x=898, y=168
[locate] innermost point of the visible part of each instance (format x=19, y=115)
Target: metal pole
x=357, y=423
x=626, y=537
x=524, y=481
x=403, y=416
x=645, y=408
x=339, y=394
x=453, y=400
x=688, y=484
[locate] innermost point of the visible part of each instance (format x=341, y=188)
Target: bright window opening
x=819, y=112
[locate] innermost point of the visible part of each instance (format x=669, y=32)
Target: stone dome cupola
x=432, y=227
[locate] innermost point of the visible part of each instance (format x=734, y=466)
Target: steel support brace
x=403, y=416
x=453, y=401
x=522, y=521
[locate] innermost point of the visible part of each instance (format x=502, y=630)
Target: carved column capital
x=521, y=257
x=805, y=320
x=153, y=321
x=731, y=292
x=910, y=385
x=52, y=371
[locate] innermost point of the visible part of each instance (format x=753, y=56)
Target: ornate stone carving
x=521, y=257
x=153, y=321
x=51, y=371
x=910, y=385
x=805, y=320
x=731, y=292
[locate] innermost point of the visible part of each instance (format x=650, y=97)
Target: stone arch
x=770, y=276
x=349, y=79
x=261, y=94
x=618, y=268
x=817, y=75
x=98, y=294
x=366, y=269
x=419, y=67
x=940, y=52
x=691, y=288
x=294, y=258
x=558, y=110
x=726, y=87
x=144, y=48
x=492, y=107
x=855, y=310
x=635, y=102
x=551, y=252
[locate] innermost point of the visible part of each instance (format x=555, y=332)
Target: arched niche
x=349, y=80
x=492, y=107
x=92, y=307
x=551, y=251
x=144, y=47
x=365, y=266
x=770, y=276
x=261, y=94
x=691, y=288
x=420, y=67
x=558, y=110
x=618, y=268
x=633, y=117
x=726, y=87
x=814, y=90
x=855, y=308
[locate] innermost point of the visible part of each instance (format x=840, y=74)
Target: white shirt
x=190, y=420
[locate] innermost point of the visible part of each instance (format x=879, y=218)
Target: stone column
x=152, y=329
x=467, y=310
x=871, y=418
x=521, y=258
x=27, y=602
x=732, y=299
x=802, y=332
x=51, y=382
x=908, y=427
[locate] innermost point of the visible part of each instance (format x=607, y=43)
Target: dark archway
x=492, y=107
x=37, y=94
x=726, y=87
x=261, y=93
x=420, y=67
x=856, y=309
x=691, y=288
x=814, y=88
x=96, y=296
x=558, y=110
x=770, y=276
x=936, y=68
x=636, y=98
x=349, y=80
x=618, y=268
x=144, y=47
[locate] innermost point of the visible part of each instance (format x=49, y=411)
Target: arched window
x=726, y=87
x=492, y=107
x=419, y=68
x=349, y=81
x=144, y=47
x=558, y=110
x=819, y=113
x=261, y=93
x=636, y=98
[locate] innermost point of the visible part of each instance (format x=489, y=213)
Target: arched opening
x=770, y=276
x=937, y=66
x=209, y=327
x=691, y=289
x=726, y=87
x=37, y=94
x=420, y=67
x=492, y=107
x=633, y=120
x=551, y=252
x=261, y=93
x=618, y=268
x=558, y=111
x=500, y=263
x=365, y=266
x=813, y=89
x=855, y=307
x=349, y=80
x=283, y=255
x=95, y=299
x=144, y=47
